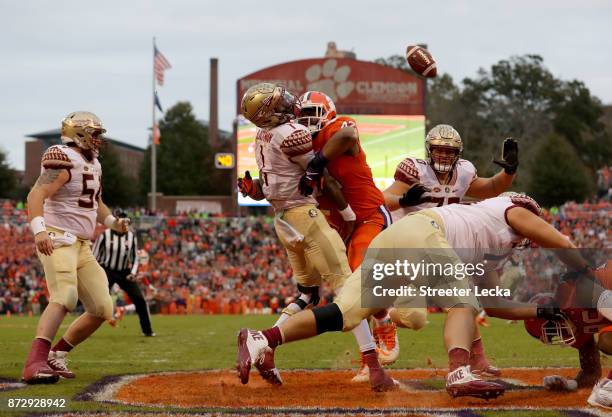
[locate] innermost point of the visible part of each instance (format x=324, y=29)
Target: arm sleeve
x=407, y=172
x=134, y=256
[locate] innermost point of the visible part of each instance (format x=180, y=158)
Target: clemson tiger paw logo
x=330, y=79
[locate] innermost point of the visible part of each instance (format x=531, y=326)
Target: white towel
x=63, y=239
x=286, y=231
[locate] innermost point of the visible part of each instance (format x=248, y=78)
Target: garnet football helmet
x=443, y=145
x=268, y=105
x=84, y=129
x=317, y=110
x=550, y=332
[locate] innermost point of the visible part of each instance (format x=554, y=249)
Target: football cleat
x=462, y=383
x=252, y=348
x=387, y=342
x=57, y=361
x=601, y=396
x=380, y=381
x=39, y=373
x=363, y=374
x=268, y=370
x=119, y=311
x=482, y=321
x=483, y=368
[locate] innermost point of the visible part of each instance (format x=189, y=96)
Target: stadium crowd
x=213, y=265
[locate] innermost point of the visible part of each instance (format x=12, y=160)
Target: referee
x=116, y=253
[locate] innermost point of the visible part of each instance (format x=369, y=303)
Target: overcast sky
x=60, y=56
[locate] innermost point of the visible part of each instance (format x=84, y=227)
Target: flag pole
x=153, y=145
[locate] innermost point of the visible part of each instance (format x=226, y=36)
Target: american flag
x=160, y=64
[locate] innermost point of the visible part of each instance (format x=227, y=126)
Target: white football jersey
x=73, y=208
x=480, y=231
x=413, y=170
x=282, y=154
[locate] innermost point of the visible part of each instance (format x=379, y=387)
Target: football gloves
x=313, y=175
x=246, y=185
x=549, y=312
x=509, y=159
x=413, y=196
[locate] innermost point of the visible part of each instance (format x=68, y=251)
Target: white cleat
x=601, y=396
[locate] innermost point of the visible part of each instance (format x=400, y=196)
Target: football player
x=366, y=213
x=444, y=178
x=499, y=223
x=580, y=328
x=577, y=330
x=63, y=208
x=289, y=173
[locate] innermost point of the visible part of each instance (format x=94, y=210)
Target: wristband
x=109, y=221
x=348, y=215
x=37, y=224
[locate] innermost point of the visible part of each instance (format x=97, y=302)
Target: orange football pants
x=365, y=231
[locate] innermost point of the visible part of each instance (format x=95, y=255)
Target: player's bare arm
x=504, y=308
x=537, y=230
x=500, y=182
x=490, y=187
x=332, y=190
x=105, y=217
x=393, y=193
x=344, y=141
x=48, y=183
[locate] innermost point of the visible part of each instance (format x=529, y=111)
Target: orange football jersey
x=354, y=175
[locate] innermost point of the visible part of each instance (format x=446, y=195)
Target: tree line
x=558, y=123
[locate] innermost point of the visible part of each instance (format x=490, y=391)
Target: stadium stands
x=221, y=265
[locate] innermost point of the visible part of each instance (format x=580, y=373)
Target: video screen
x=386, y=140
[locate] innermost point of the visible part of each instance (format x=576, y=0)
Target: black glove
x=549, y=312
x=314, y=172
x=413, y=196
x=509, y=161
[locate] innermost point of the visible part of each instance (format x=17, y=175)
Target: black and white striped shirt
x=117, y=252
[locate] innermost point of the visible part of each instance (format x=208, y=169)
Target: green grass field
x=209, y=342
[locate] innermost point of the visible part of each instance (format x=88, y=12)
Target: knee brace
x=328, y=318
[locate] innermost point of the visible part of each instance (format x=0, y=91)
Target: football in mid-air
x=421, y=61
